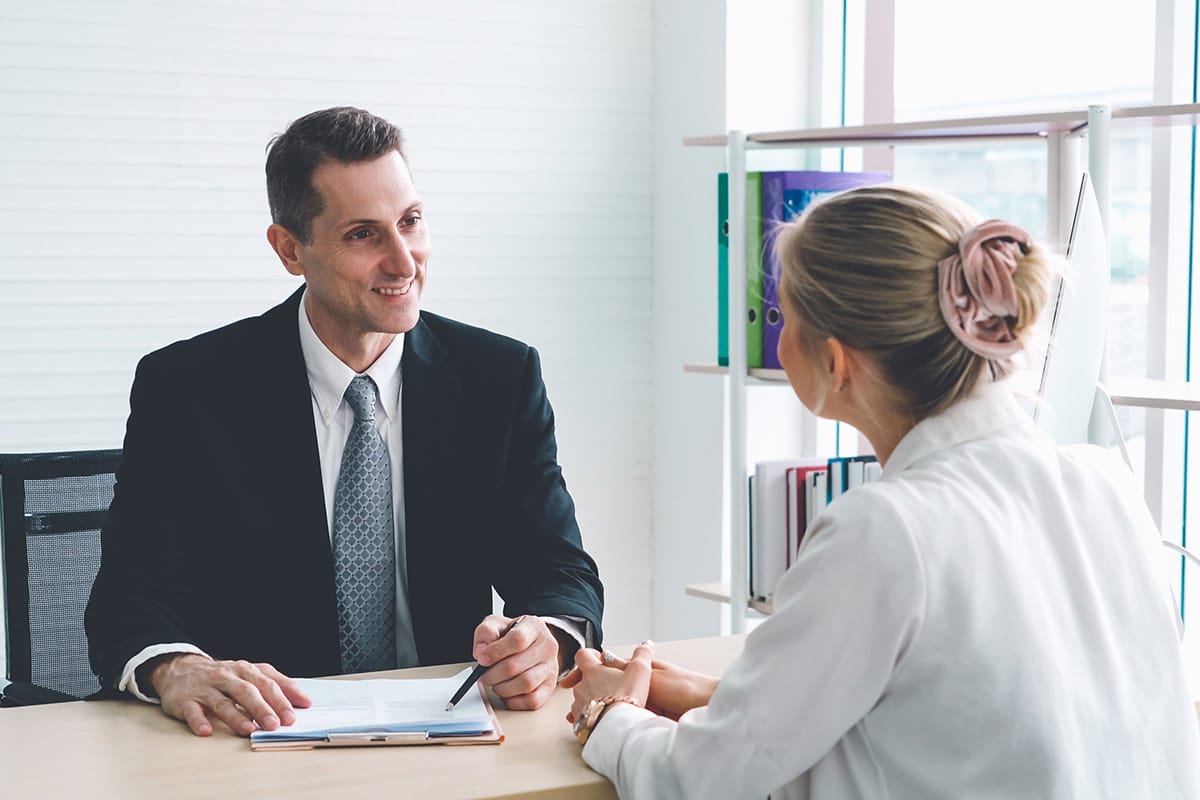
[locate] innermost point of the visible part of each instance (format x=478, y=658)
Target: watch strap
x=592, y=712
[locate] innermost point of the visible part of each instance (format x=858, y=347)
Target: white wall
x=132, y=205
x=717, y=66
x=689, y=100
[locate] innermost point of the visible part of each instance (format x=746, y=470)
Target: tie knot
x=360, y=394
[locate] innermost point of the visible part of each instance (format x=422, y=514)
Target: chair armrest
x=23, y=693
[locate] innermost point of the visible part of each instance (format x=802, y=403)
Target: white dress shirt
x=987, y=620
x=328, y=378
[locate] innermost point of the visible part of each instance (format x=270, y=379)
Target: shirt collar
x=328, y=375
x=988, y=409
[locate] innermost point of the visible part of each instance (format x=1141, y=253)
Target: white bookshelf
x=1021, y=126
x=719, y=591
x=1135, y=392
x=1062, y=131
x=1150, y=393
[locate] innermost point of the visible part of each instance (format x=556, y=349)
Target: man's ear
x=287, y=247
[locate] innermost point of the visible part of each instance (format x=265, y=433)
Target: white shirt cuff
x=128, y=682
x=602, y=751
x=578, y=628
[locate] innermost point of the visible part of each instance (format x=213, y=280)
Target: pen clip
x=378, y=736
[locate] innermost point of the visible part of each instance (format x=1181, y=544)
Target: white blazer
x=987, y=620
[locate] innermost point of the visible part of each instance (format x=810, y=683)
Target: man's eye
x=411, y=220
x=359, y=234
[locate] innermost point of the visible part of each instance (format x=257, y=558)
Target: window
x=1052, y=55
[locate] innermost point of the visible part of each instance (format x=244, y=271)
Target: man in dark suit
x=338, y=484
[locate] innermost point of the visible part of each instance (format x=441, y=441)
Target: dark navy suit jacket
x=217, y=534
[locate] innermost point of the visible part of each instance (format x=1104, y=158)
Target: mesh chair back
x=54, y=505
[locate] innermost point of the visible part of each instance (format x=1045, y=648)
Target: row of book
x=785, y=497
x=772, y=198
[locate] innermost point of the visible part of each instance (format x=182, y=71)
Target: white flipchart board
x=1079, y=329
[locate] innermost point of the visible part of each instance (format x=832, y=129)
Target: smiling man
x=337, y=485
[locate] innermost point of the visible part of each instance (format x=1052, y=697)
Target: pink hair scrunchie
x=976, y=291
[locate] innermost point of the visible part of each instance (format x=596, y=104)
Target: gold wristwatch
x=595, y=708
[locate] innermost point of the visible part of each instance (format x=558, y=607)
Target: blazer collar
x=421, y=344
x=431, y=403
x=280, y=399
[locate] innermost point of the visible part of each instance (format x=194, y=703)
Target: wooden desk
x=126, y=750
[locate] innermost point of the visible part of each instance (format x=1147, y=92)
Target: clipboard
x=382, y=738
x=479, y=726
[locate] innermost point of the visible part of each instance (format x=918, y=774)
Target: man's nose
x=400, y=259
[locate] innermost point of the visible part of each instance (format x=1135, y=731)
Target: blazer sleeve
x=543, y=568
x=146, y=551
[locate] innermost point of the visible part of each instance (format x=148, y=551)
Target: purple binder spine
x=785, y=195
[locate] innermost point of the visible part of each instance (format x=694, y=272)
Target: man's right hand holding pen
x=523, y=664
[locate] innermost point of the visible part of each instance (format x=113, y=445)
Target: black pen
x=479, y=670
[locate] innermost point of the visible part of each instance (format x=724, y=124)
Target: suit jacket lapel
x=281, y=403
x=431, y=401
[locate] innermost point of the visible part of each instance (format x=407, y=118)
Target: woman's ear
x=839, y=362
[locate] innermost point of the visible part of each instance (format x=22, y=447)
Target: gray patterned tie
x=364, y=553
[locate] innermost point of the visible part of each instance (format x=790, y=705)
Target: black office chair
x=52, y=507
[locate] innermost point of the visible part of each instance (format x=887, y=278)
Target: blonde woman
x=988, y=620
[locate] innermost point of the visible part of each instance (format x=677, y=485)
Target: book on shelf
x=846, y=472
x=768, y=527
x=754, y=298
x=816, y=498
x=785, y=497
x=755, y=574
x=785, y=195
x=801, y=510
x=755, y=355
x=723, y=269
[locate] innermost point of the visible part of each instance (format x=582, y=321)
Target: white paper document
x=384, y=709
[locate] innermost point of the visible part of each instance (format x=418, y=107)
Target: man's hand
x=673, y=690
x=199, y=690
x=522, y=664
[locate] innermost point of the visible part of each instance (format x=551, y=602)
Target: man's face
x=365, y=266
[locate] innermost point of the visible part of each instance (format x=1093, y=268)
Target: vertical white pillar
x=1099, y=147
x=1063, y=172
x=879, y=67
x=739, y=532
